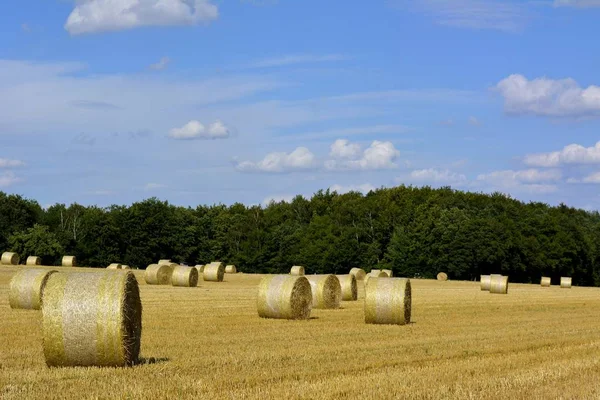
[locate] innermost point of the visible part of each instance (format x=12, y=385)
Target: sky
x=222, y=101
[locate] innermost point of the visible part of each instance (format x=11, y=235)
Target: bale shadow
x=151, y=360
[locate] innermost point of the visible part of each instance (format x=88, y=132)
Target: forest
x=415, y=231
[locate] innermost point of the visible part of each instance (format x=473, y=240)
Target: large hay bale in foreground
x=442, y=276
x=33, y=260
x=164, y=261
x=388, y=301
x=349, y=287
x=566, y=282
x=326, y=291
x=358, y=273
x=184, y=276
x=388, y=272
x=214, y=272
x=114, y=266
x=158, y=274
x=498, y=284
x=230, y=269
x=27, y=288
x=297, y=270
x=9, y=258
x=92, y=319
x=69, y=261
x=284, y=297
x=546, y=281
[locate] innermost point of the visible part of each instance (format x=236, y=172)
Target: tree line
x=416, y=232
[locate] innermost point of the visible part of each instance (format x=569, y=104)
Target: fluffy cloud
x=90, y=16
x=571, y=154
x=342, y=148
x=548, y=97
x=529, y=180
x=437, y=176
x=341, y=189
x=298, y=160
x=592, y=178
x=7, y=163
x=8, y=178
x=195, y=130
x=577, y=3
x=380, y=155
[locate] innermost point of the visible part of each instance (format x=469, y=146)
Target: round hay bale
x=546, y=281
x=230, y=269
x=33, y=260
x=375, y=273
x=284, y=297
x=297, y=270
x=214, y=272
x=326, y=291
x=161, y=262
x=442, y=276
x=9, y=258
x=125, y=267
x=92, y=319
x=388, y=301
x=388, y=272
x=27, y=288
x=485, y=282
x=115, y=266
x=184, y=276
x=498, y=284
x=69, y=261
x=358, y=273
x=566, y=282
x=349, y=287
x=200, y=268
x=158, y=274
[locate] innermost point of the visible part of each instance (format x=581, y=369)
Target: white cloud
x=577, y=3
x=296, y=59
x=548, y=97
x=161, y=65
x=592, y=178
x=8, y=178
x=363, y=188
x=437, y=176
x=342, y=148
x=91, y=16
x=379, y=155
x=298, y=160
x=529, y=180
x=278, y=199
x=571, y=154
x=154, y=186
x=7, y=163
x=195, y=130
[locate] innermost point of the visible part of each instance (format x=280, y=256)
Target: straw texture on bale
x=565, y=282
x=33, y=260
x=498, y=284
x=388, y=301
x=485, y=282
x=297, y=270
x=442, y=276
x=214, y=272
x=349, y=287
x=546, y=281
x=375, y=273
x=91, y=319
x=158, y=274
x=114, y=266
x=184, y=276
x=230, y=269
x=200, y=268
x=27, y=288
x=326, y=291
x=161, y=262
x=358, y=273
x=388, y=272
x=69, y=261
x=284, y=297
x=9, y=258
x=125, y=267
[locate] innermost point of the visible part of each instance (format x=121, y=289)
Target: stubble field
x=208, y=342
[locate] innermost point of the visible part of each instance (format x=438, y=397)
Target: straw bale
x=388, y=272
x=214, y=272
x=184, y=276
x=358, y=273
x=284, y=297
x=125, y=267
x=485, y=282
x=565, y=282
x=498, y=284
x=92, y=319
x=326, y=291
x=546, y=281
x=9, y=258
x=349, y=287
x=442, y=276
x=375, y=273
x=27, y=288
x=230, y=269
x=297, y=270
x=115, y=266
x=69, y=261
x=158, y=274
x=33, y=260
x=388, y=301
x=200, y=268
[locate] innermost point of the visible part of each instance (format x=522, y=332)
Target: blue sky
x=201, y=101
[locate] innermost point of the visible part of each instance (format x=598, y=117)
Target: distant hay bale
x=546, y=281
x=214, y=272
x=388, y=301
x=388, y=272
x=498, y=284
x=565, y=282
x=200, y=268
x=442, y=276
x=91, y=319
x=161, y=262
x=9, y=258
x=326, y=291
x=114, y=266
x=158, y=274
x=284, y=297
x=230, y=269
x=297, y=270
x=69, y=261
x=375, y=273
x=349, y=287
x=33, y=260
x=184, y=276
x=485, y=282
x=125, y=267
x=27, y=288
x=358, y=273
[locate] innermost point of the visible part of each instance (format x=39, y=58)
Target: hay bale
x=184, y=276
x=388, y=272
x=114, y=266
x=565, y=282
x=284, y=297
x=161, y=262
x=9, y=258
x=230, y=269
x=442, y=276
x=326, y=291
x=69, y=261
x=546, y=281
x=92, y=319
x=214, y=272
x=297, y=270
x=33, y=260
x=498, y=284
x=27, y=288
x=158, y=274
x=358, y=273
x=388, y=301
x=349, y=287
x=375, y=273
x=200, y=268
x=485, y=282
x=125, y=267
